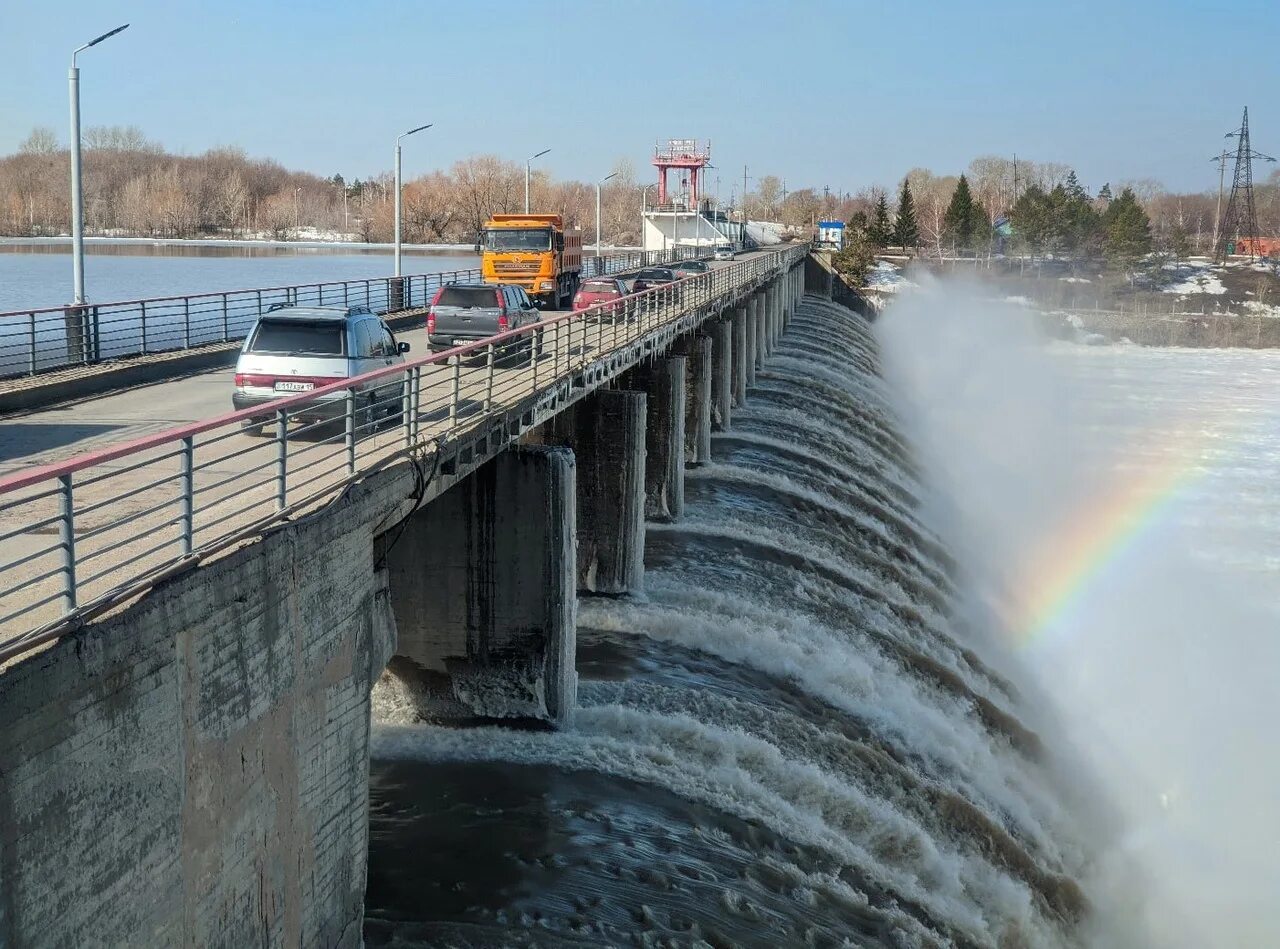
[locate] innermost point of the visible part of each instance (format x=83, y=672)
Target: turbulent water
x=787, y=741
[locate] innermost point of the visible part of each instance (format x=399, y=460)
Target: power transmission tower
x=1241, y=218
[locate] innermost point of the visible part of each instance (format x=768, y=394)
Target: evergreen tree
x=854, y=261
x=980, y=227
x=858, y=223
x=1030, y=218
x=958, y=221
x=1073, y=189
x=880, y=231
x=1104, y=194
x=906, y=232
x=1127, y=230
x=1179, y=244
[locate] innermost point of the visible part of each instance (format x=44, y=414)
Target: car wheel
x=252, y=429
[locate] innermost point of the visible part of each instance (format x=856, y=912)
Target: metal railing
x=39, y=340
x=77, y=536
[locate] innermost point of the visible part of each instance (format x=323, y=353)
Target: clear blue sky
x=839, y=92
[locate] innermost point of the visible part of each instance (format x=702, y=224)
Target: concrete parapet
x=696, y=349
x=721, y=332
x=662, y=380
x=482, y=584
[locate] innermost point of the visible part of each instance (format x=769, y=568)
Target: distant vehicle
x=535, y=252
x=689, y=268
x=461, y=313
x=830, y=236
x=652, y=277
x=724, y=252
x=293, y=349
x=601, y=290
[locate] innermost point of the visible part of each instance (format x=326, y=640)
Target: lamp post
x=77, y=193
x=297, y=215
x=598, y=184
x=420, y=128
x=527, y=162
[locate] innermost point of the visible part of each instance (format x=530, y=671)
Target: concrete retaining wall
x=194, y=770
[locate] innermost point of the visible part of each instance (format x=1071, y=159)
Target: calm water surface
x=39, y=275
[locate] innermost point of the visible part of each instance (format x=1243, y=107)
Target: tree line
x=1042, y=208
x=133, y=187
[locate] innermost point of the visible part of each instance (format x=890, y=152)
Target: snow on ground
x=1075, y=280
x=1194, y=275
x=886, y=277
x=1257, y=308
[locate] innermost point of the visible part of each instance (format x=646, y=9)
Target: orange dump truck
x=533, y=251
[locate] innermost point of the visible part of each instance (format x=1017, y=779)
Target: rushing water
x=38, y=274
x=785, y=742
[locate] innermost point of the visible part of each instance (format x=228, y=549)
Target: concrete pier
x=662, y=381
x=740, y=353
x=606, y=431
x=721, y=332
x=753, y=338
x=696, y=350
x=483, y=589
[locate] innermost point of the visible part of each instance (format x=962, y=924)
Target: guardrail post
x=67, y=536
x=453, y=399
x=556, y=336
x=143, y=305
x=349, y=421
x=406, y=407
x=31, y=334
x=368, y=297
x=226, y=325
x=534, y=340
x=415, y=403
x=186, y=322
x=488, y=380
x=259, y=303
x=282, y=458
x=186, y=480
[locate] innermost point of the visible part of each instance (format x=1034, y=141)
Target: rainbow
x=1091, y=542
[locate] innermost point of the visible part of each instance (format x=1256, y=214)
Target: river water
x=1012, y=684
x=38, y=274
x=783, y=743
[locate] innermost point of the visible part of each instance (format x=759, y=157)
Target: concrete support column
x=775, y=307
x=606, y=431
x=762, y=305
x=721, y=373
x=484, y=595
x=696, y=349
x=662, y=381
x=753, y=337
x=740, y=352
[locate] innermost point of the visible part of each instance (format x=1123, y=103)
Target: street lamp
x=420, y=128
x=297, y=215
x=527, y=162
x=598, y=184
x=77, y=194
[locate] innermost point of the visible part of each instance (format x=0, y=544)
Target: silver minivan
x=293, y=349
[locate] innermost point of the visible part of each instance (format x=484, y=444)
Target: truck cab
x=535, y=252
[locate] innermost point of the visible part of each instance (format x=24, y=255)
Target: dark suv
x=652, y=277
x=461, y=313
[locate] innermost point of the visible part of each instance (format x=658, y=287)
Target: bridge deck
x=141, y=508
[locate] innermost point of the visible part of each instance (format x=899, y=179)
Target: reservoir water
x=38, y=274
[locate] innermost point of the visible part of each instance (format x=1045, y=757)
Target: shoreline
x=61, y=241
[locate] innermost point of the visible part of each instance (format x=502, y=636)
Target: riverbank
x=8, y=244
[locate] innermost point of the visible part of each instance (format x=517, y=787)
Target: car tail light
x=261, y=381
x=503, y=325
x=431, y=311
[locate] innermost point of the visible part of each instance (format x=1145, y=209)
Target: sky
x=837, y=93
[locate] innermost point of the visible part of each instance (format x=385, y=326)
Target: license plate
x=295, y=386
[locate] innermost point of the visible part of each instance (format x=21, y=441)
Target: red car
x=601, y=290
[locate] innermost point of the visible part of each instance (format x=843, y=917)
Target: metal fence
x=39, y=340
x=78, y=535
